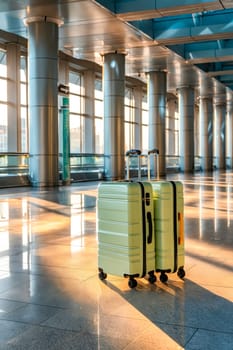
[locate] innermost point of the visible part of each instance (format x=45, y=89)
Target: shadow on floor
x=184, y=311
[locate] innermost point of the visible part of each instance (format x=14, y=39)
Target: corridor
x=52, y=299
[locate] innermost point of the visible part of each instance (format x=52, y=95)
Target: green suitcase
x=169, y=227
x=125, y=227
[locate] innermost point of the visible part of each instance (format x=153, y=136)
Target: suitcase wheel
x=102, y=275
x=181, y=272
x=132, y=282
x=152, y=278
x=163, y=277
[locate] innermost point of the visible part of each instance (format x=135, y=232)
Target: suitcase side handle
x=181, y=228
x=149, y=219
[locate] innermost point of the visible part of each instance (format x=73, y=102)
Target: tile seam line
x=35, y=304
x=45, y=326
x=193, y=327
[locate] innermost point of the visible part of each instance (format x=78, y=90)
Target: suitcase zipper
x=143, y=230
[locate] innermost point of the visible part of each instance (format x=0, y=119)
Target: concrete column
x=13, y=93
x=114, y=138
x=220, y=148
x=196, y=132
x=206, y=133
x=157, y=91
x=229, y=133
x=43, y=103
x=186, y=136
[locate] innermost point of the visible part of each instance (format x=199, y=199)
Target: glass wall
x=85, y=120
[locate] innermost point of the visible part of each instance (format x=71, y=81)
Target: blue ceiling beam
x=130, y=10
x=206, y=56
x=209, y=45
x=188, y=28
x=204, y=52
x=181, y=35
x=199, y=31
x=226, y=79
x=215, y=72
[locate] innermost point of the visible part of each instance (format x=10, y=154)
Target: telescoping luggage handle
x=155, y=152
x=133, y=153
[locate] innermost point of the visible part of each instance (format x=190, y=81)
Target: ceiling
x=192, y=40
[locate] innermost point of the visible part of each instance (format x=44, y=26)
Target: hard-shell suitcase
x=125, y=227
x=169, y=225
x=125, y=230
x=169, y=228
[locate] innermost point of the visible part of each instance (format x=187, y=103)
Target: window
x=144, y=123
x=172, y=128
x=129, y=119
x=76, y=111
x=99, y=112
x=3, y=103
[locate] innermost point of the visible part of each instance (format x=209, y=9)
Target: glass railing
x=86, y=161
x=13, y=163
x=173, y=162
x=18, y=163
x=84, y=166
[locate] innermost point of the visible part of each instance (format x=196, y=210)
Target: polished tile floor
x=51, y=296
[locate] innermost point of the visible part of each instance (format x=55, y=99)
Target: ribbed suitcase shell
x=169, y=226
x=123, y=247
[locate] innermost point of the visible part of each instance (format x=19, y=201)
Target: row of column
x=43, y=107
x=211, y=113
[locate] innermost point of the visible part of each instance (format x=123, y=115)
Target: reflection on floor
x=51, y=296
